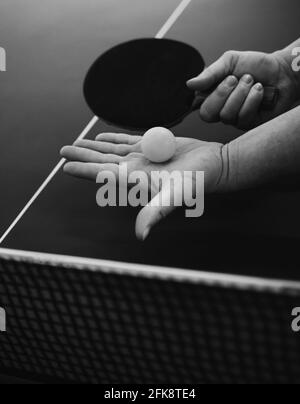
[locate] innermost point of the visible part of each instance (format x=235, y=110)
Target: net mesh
x=89, y=326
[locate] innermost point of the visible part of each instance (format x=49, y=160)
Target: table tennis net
x=77, y=322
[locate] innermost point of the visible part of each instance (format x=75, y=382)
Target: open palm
x=87, y=158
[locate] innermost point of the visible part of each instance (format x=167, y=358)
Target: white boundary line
x=160, y=35
x=173, y=18
x=47, y=181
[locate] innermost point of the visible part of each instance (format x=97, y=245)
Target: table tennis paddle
x=142, y=84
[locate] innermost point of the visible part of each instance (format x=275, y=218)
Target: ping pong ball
x=159, y=145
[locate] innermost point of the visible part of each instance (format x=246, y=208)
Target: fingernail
x=259, y=87
x=146, y=233
x=247, y=79
x=231, y=81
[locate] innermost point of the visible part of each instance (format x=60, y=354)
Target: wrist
x=287, y=58
x=228, y=176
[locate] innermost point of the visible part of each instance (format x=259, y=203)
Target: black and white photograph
x=150, y=195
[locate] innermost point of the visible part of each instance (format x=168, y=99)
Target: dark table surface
x=50, y=46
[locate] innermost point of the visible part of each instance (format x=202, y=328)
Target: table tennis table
x=86, y=301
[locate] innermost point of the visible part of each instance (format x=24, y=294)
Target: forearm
x=291, y=57
x=264, y=155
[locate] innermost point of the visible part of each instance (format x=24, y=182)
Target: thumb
x=214, y=74
x=158, y=209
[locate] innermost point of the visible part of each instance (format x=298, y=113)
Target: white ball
x=159, y=145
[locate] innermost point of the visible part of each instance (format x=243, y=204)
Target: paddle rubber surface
x=142, y=83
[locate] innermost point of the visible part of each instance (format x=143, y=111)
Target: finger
x=215, y=73
x=118, y=138
x=213, y=105
x=74, y=153
x=250, y=109
x=106, y=148
x=231, y=110
x=158, y=209
x=89, y=171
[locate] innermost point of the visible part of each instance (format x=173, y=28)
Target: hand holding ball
x=159, y=145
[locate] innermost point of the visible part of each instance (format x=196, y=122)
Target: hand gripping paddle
x=142, y=84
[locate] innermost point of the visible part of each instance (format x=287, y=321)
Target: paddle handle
x=270, y=99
